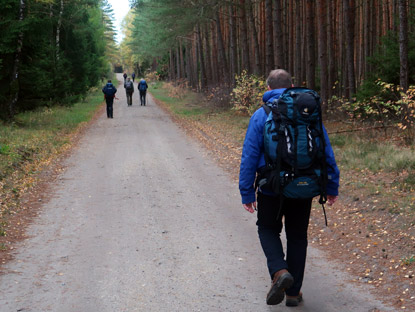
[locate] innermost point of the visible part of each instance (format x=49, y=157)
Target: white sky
x=121, y=8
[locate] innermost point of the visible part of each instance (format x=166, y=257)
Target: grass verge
x=32, y=142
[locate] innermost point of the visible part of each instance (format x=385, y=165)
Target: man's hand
x=251, y=207
x=331, y=199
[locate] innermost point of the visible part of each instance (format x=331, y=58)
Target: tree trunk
x=189, y=65
x=14, y=79
x=208, y=49
x=322, y=9
x=269, y=45
x=278, y=35
x=201, y=59
x=349, y=7
x=297, y=67
x=233, y=49
x=182, y=70
x=171, y=66
x=262, y=34
x=257, y=67
x=331, y=49
x=367, y=34
x=291, y=42
x=311, y=65
x=178, y=65
x=403, y=44
x=195, y=57
x=58, y=31
x=244, y=38
x=215, y=57
x=222, y=54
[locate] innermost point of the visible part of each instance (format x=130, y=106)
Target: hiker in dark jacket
x=133, y=76
x=125, y=76
x=129, y=90
x=286, y=274
x=109, y=93
x=142, y=87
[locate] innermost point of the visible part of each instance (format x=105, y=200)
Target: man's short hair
x=109, y=80
x=279, y=78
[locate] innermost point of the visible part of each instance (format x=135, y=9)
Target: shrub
x=246, y=97
x=152, y=76
x=407, y=114
x=380, y=107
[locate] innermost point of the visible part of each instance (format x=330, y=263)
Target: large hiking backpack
x=109, y=90
x=142, y=86
x=294, y=146
x=129, y=86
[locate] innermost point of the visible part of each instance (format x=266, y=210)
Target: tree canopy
x=52, y=51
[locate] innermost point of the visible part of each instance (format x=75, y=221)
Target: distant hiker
x=125, y=76
x=129, y=90
x=142, y=87
x=286, y=274
x=109, y=93
x=133, y=76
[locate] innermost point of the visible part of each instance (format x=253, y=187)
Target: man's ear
x=269, y=88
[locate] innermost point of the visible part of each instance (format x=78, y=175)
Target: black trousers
x=143, y=97
x=296, y=214
x=110, y=103
x=129, y=98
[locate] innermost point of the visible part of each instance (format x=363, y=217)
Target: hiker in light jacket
x=286, y=273
x=129, y=90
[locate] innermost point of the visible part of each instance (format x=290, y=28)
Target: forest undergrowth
x=371, y=229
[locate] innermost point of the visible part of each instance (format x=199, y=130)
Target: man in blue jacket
x=286, y=272
x=142, y=87
x=109, y=93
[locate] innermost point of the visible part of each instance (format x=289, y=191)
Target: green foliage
x=158, y=25
x=64, y=48
x=385, y=65
x=4, y=149
x=389, y=105
x=408, y=260
x=246, y=97
x=407, y=114
x=381, y=106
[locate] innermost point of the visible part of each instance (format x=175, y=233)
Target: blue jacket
x=253, y=153
x=142, y=85
x=109, y=90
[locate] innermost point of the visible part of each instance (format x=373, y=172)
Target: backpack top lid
x=298, y=103
x=306, y=104
x=142, y=85
x=109, y=89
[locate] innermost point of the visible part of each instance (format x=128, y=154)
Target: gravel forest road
x=142, y=219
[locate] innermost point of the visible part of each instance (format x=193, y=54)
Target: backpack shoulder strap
x=266, y=108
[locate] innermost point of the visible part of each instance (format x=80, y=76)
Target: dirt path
x=143, y=220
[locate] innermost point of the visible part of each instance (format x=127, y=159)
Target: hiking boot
x=281, y=281
x=293, y=301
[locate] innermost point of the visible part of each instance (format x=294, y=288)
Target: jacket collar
x=271, y=95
